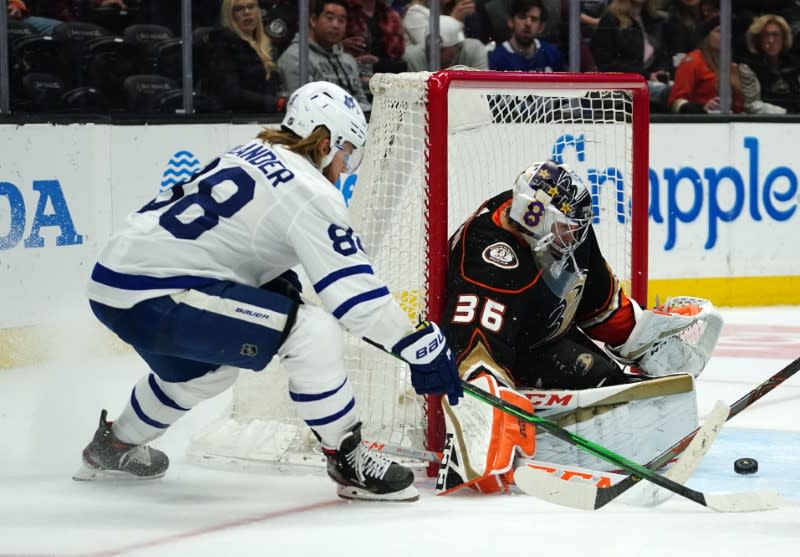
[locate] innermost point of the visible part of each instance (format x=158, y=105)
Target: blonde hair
x=260, y=43
x=307, y=147
x=757, y=27
x=622, y=10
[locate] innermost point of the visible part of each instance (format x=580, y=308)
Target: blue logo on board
x=180, y=168
x=50, y=214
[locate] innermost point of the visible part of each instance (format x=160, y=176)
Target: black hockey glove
x=433, y=368
x=287, y=284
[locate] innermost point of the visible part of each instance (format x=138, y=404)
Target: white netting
x=495, y=130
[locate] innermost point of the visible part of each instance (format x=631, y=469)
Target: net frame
x=438, y=86
x=427, y=301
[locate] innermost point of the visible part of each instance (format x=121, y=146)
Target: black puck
x=745, y=466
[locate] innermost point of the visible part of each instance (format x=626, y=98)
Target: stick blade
x=583, y=495
x=750, y=501
x=648, y=495
x=540, y=484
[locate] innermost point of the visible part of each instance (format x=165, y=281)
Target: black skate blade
x=88, y=473
x=353, y=493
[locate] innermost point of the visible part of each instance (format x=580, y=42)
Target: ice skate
x=362, y=473
x=106, y=457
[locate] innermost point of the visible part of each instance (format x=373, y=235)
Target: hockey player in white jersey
x=199, y=283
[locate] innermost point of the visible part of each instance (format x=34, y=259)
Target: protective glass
x=560, y=274
x=553, y=238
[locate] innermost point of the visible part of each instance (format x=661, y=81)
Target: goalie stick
x=596, y=498
x=583, y=496
x=565, y=472
x=557, y=483
x=759, y=500
x=686, y=462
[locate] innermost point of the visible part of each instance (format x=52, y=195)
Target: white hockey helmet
x=321, y=103
x=552, y=207
x=553, y=210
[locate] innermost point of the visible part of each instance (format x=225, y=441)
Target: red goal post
x=439, y=144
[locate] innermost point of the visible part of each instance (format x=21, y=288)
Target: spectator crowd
x=106, y=56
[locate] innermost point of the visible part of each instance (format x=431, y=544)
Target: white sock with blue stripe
x=328, y=411
x=154, y=404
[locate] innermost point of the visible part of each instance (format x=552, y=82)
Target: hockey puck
x=745, y=466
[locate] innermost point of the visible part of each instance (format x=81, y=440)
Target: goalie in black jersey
x=529, y=288
x=531, y=299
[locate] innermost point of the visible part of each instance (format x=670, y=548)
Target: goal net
x=440, y=144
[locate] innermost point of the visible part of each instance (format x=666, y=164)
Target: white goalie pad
x=482, y=440
x=637, y=420
x=677, y=337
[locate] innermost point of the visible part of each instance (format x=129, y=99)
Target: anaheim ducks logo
x=501, y=255
x=584, y=363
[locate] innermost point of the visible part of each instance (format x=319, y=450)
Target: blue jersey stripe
x=343, y=308
x=162, y=397
x=123, y=281
x=302, y=397
x=142, y=416
x=326, y=281
x=332, y=417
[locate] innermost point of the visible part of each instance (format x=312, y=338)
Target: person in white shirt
x=199, y=282
x=417, y=15
x=454, y=49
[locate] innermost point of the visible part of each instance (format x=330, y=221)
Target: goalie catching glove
x=677, y=337
x=433, y=367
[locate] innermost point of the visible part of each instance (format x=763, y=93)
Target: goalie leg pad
x=482, y=441
x=639, y=420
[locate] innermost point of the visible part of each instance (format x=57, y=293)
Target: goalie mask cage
x=440, y=144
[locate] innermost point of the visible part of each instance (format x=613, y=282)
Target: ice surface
x=49, y=411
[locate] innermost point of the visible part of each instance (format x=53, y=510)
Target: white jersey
x=249, y=216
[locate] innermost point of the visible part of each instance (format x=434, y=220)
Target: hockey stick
x=747, y=400
x=603, y=495
x=564, y=472
x=547, y=480
x=759, y=500
x=583, y=496
x=733, y=502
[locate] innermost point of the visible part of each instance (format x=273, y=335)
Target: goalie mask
x=324, y=104
x=552, y=208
